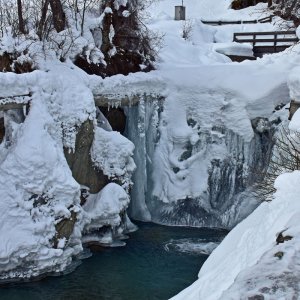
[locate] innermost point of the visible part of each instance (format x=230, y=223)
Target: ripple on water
x=191, y=246
x=156, y=263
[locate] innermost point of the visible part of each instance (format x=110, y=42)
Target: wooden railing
x=267, y=42
x=216, y=23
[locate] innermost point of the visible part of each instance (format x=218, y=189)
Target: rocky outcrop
x=125, y=47
x=9, y=63
x=64, y=229
x=240, y=4
x=80, y=160
x=116, y=118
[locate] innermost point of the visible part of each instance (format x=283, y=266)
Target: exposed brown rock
x=65, y=228
x=281, y=238
x=5, y=62
x=279, y=254
x=239, y=4
x=80, y=161
x=8, y=63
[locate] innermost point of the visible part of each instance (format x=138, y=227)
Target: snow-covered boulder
x=105, y=215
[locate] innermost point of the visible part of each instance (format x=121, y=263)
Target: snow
x=234, y=49
x=294, y=81
x=204, y=121
x=34, y=165
x=105, y=207
x=112, y=153
x=203, y=85
x=118, y=3
x=249, y=242
x=105, y=217
x=208, y=10
x=37, y=187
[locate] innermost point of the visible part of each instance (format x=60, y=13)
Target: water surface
x=157, y=263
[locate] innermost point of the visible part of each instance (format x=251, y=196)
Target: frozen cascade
x=144, y=136
x=227, y=167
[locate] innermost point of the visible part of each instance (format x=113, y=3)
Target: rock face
x=80, y=160
x=9, y=63
x=125, y=47
x=239, y=4
x=64, y=229
x=115, y=117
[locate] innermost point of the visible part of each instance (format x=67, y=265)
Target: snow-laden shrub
x=285, y=159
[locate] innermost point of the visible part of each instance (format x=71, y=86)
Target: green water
x=149, y=267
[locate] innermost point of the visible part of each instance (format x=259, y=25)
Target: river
x=157, y=263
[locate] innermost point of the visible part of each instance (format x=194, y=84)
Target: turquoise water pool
x=157, y=263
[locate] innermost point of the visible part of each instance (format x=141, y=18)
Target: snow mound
x=105, y=207
x=112, y=153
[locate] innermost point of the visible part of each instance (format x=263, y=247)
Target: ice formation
x=202, y=128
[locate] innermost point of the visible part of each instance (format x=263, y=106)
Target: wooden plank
x=265, y=33
x=250, y=22
x=278, y=40
x=266, y=19
x=263, y=20
x=259, y=51
x=270, y=49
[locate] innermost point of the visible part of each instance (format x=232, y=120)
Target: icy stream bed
x=157, y=263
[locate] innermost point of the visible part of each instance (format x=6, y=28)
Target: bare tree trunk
x=83, y=17
x=270, y=3
x=43, y=19
x=59, y=17
x=1, y=19
x=20, y=17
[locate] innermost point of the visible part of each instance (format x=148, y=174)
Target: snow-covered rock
x=42, y=218
x=105, y=216
x=112, y=153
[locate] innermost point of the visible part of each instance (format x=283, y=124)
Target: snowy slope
x=244, y=264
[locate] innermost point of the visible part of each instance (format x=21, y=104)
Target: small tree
x=285, y=158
